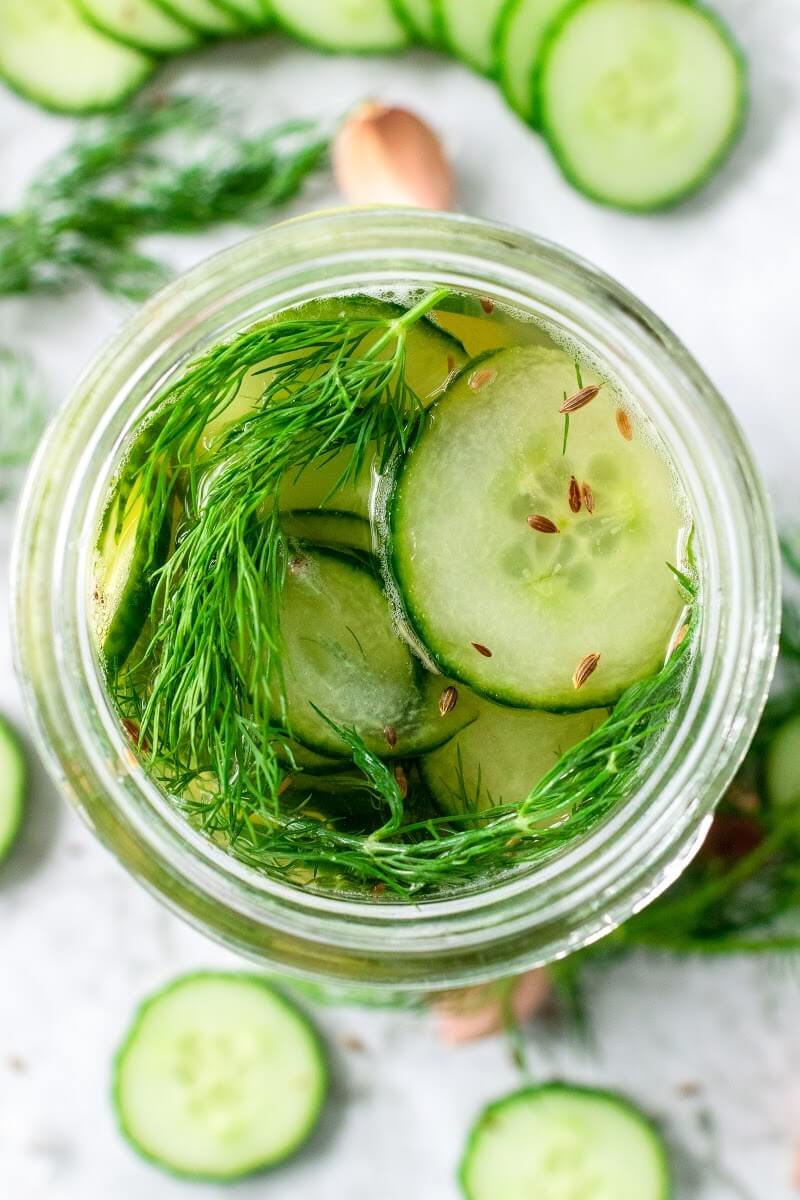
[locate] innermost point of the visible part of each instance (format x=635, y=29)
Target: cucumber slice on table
x=501, y=756
x=520, y=35
x=341, y=654
x=356, y=26
x=255, y=14
x=556, y=1142
x=43, y=41
x=219, y=1076
x=783, y=765
x=140, y=23
x=508, y=609
x=419, y=18
x=467, y=28
x=13, y=782
x=640, y=102
x=206, y=16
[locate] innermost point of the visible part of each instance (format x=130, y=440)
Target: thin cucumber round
x=334, y=529
x=640, y=103
x=219, y=1076
x=342, y=658
x=140, y=23
x=13, y=785
x=467, y=28
x=206, y=16
x=783, y=765
x=254, y=14
x=557, y=1142
x=499, y=758
x=307, y=762
x=41, y=41
x=419, y=18
x=513, y=610
x=520, y=35
x=349, y=26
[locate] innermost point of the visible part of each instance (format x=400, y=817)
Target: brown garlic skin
x=385, y=155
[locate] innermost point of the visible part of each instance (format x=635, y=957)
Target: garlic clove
x=385, y=155
x=476, y=1012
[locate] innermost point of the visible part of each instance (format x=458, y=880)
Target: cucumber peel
x=13, y=786
x=346, y=26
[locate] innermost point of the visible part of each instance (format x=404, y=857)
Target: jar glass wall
x=501, y=927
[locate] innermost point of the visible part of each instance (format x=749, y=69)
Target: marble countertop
x=712, y=1049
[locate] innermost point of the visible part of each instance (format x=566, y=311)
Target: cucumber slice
x=336, y=529
x=126, y=557
x=419, y=18
x=520, y=35
x=13, y=783
x=783, y=765
x=257, y=14
x=352, y=26
x=559, y=1142
x=473, y=576
x=219, y=1076
x=342, y=654
x=206, y=16
x=502, y=755
x=467, y=28
x=297, y=756
x=140, y=23
x=41, y=43
x=640, y=103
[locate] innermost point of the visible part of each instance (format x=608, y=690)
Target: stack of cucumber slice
x=638, y=102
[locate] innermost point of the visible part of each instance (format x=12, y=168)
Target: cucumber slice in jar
x=558, y=1142
x=783, y=765
x=513, y=610
x=140, y=23
x=467, y=29
x=333, y=529
x=520, y=35
x=206, y=16
x=640, y=103
x=419, y=18
x=219, y=1076
x=500, y=757
x=341, y=655
x=13, y=782
x=41, y=43
x=349, y=26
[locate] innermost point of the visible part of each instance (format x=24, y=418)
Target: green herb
x=170, y=165
x=22, y=412
x=688, y=585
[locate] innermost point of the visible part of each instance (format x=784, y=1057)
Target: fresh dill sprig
x=175, y=164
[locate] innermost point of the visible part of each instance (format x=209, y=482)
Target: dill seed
x=479, y=379
x=487, y=305
x=588, y=497
x=624, y=424
x=484, y=650
x=580, y=399
x=542, y=524
x=390, y=733
x=451, y=364
x=402, y=781
x=132, y=730
x=586, y=667
x=574, y=495
x=448, y=700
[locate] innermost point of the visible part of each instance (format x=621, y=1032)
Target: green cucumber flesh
x=308, y=762
x=468, y=30
x=333, y=529
x=254, y=14
x=419, y=18
x=783, y=765
x=13, y=784
x=500, y=757
x=556, y=1142
x=41, y=41
x=357, y=26
x=218, y=1077
x=206, y=16
x=140, y=23
x=470, y=571
x=342, y=656
x=125, y=559
x=520, y=36
x=640, y=103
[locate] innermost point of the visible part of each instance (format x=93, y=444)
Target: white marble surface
x=713, y=1049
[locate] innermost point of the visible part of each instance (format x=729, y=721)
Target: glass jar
x=500, y=928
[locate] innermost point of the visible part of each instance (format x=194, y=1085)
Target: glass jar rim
x=503, y=926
